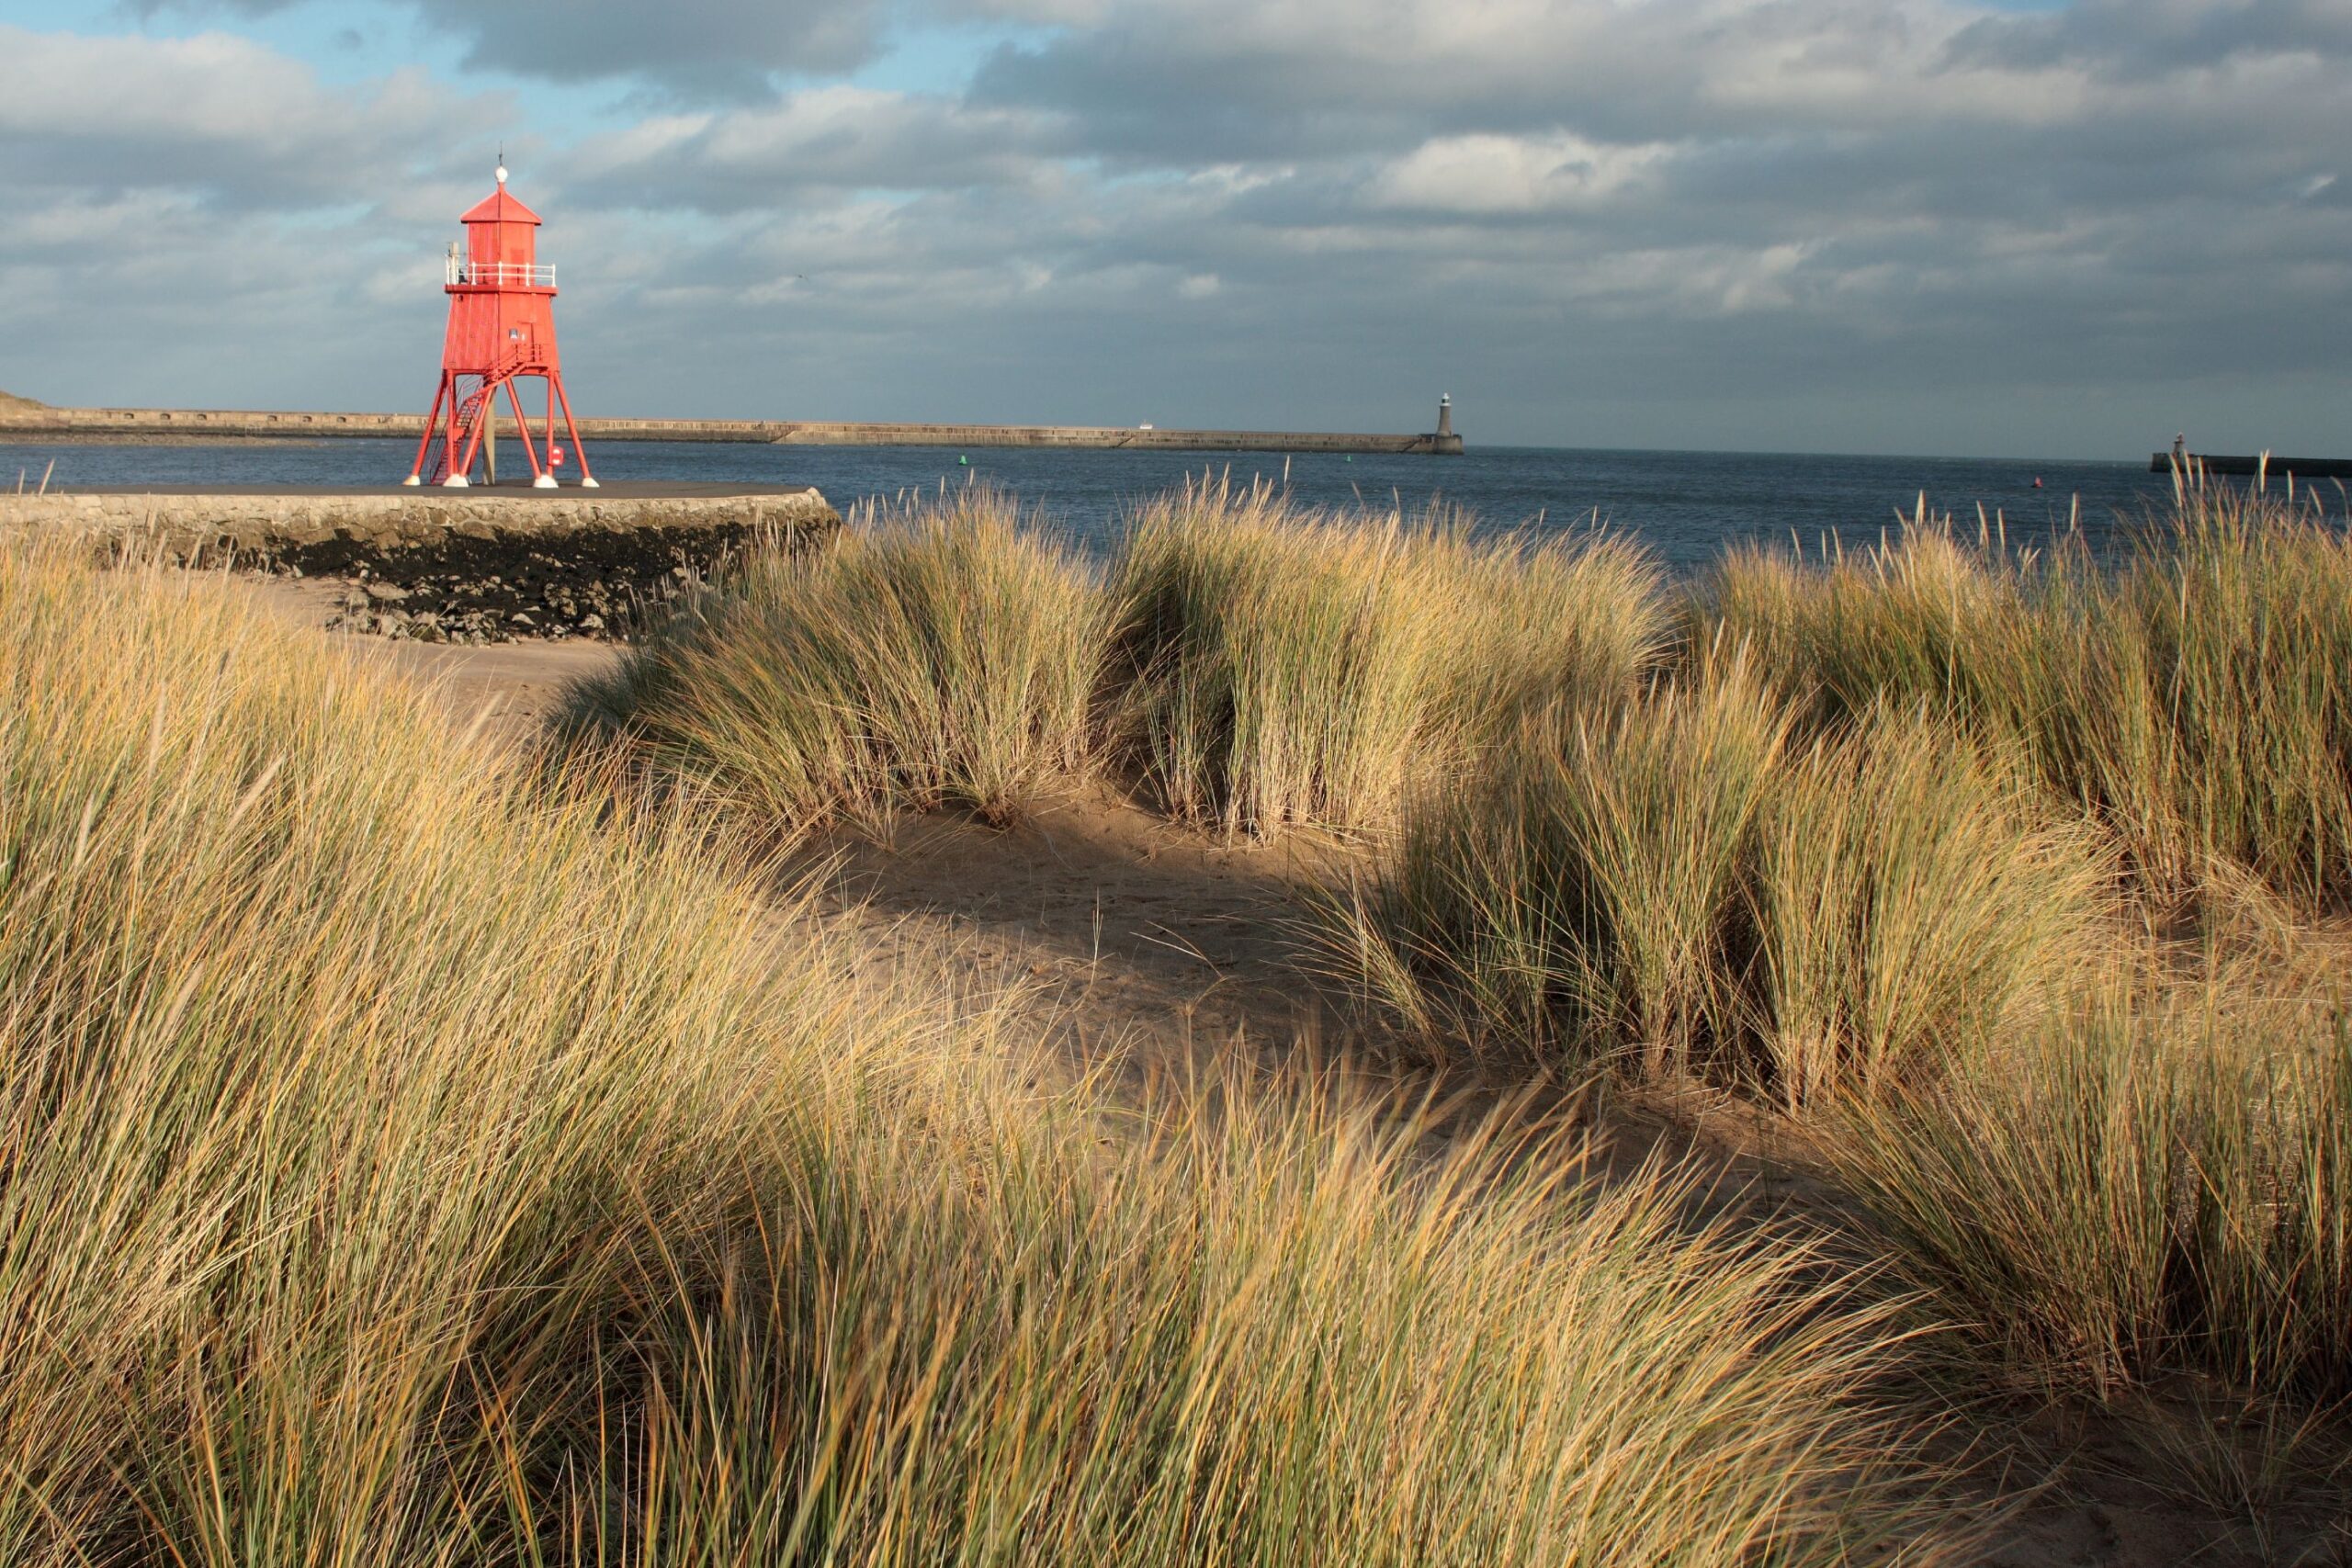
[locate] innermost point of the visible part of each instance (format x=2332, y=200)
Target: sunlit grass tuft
x=1684, y=888
x=938, y=654
x=2154, y=1181
x=2195, y=697
x=1277, y=666
x=1910, y=894
x=1250, y=665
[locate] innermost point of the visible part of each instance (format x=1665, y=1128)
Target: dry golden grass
x=1249, y=664
x=934, y=655
x=2156, y=1179
x=1275, y=667
x=1885, y=847
x=1683, y=888
x=1879, y=843
x=2196, y=699
x=403, y=1161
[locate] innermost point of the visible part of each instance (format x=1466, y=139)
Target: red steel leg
x=522, y=428
x=450, y=468
x=572, y=428
x=473, y=437
x=416, y=468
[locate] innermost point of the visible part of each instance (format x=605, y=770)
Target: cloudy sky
x=1924, y=226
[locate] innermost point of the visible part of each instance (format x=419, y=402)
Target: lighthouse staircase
x=458, y=447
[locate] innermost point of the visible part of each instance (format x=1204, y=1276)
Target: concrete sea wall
x=48, y=423
x=458, y=566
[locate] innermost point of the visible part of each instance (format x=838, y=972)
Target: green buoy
x=963, y=462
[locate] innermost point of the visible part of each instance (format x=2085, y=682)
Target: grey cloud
x=1177, y=83
x=2136, y=36
x=727, y=45
x=701, y=48
x=832, y=137
x=1916, y=224
x=223, y=121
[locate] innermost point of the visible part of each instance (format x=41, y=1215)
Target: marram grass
x=1254, y=666
x=1687, y=887
x=938, y=654
x=1866, y=846
x=1876, y=850
x=2196, y=697
x=1247, y=664
x=2156, y=1179
x=402, y=1163
x=1907, y=894
x=1279, y=667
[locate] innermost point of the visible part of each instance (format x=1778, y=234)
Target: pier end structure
x=469, y=564
x=288, y=523
x=1444, y=443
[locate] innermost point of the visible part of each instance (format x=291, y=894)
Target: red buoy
x=502, y=330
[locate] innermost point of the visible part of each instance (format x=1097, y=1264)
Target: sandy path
x=1135, y=939
x=519, y=685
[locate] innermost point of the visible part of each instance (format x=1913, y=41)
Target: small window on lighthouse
x=515, y=333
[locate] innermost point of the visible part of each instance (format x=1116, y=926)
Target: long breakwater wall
x=54, y=423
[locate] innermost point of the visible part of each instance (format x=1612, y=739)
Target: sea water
x=1685, y=506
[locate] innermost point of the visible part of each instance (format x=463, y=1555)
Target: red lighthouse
x=502, y=329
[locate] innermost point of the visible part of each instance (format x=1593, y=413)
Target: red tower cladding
x=502, y=330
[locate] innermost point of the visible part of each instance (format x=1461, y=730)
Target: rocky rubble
x=471, y=590
x=542, y=599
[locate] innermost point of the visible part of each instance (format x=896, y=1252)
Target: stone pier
x=445, y=565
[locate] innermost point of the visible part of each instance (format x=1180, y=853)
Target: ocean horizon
x=1686, y=506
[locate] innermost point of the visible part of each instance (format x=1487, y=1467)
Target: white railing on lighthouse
x=500, y=275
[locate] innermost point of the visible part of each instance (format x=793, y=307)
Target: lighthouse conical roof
x=499, y=208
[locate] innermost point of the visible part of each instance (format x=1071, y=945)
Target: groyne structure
x=479, y=565
x=2246, y=465
x=34, y=422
